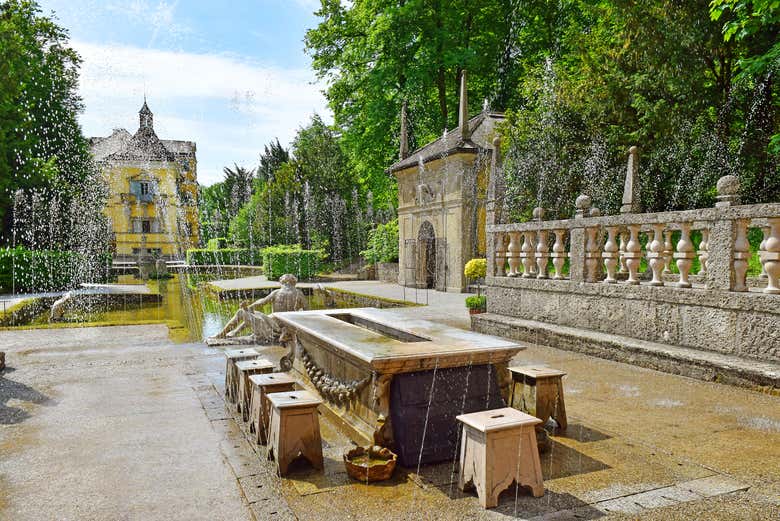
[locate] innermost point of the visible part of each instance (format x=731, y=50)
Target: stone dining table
x=398, y=381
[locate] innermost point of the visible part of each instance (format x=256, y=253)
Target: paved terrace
x=119, y=423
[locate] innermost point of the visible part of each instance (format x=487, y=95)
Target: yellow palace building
x=153, y=183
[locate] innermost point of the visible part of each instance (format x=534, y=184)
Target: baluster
x=684, y=255
x=611, y=253
x=527, y=254
x=592, y=254
x=668, y=251
x=704, y=252
x=762, y=248
x=513, y=257
x=741, y=254
x=559, y=253
x=622, y=250
x=655, y=255
x=633, y=254
x=770, y=256
x=542, y=254
x=500, y=255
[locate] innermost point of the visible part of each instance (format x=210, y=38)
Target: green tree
x=313, y=199
x=374, y=55
x=41, y=144
x=273, y=156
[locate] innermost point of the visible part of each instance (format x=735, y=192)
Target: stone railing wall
x=585, y=272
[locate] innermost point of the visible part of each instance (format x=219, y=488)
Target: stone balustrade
x=678, y=278
x=609, y=249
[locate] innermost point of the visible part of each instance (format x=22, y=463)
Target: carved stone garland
x=332, y=389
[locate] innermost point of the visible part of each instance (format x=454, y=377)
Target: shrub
x=49, y=270
x=223, y=256
x=475, y=269
x=382, y=244
x=278, y=260
x=476, y=302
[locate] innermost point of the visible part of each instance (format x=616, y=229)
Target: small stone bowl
x=370, y=464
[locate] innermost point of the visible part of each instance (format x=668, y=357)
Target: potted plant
x=475, y=270
x=476, y=304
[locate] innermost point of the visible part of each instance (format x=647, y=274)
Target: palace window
x=145, y=226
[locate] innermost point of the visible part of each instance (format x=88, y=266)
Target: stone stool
x=259, y=406
x=245, y=369
x=231, y=379
x=498, y=447
x=294, y=429
x=539, y=391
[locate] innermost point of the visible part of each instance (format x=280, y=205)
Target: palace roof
x=482, y=129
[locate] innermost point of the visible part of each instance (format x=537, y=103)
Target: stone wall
x=745, y=324
x=387, y=271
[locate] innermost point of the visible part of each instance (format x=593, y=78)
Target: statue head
x=289, y=280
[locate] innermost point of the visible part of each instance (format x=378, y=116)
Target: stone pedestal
x=260, y=406
x=497, y=448
x=244, y=370
x=294, y=429
x=231, y=380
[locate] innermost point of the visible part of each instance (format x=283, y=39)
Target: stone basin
x=352, y=357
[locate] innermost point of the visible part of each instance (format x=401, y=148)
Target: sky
x=229, y=75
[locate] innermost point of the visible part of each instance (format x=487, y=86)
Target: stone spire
x=463, y=109
x=404, y=150
x=631, y=203
x=145, y=116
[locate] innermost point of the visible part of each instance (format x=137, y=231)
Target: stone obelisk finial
x=631, y=203
x=463, y=109
x=404, y=149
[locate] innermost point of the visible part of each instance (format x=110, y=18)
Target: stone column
x=577, y=240
x=722, y=236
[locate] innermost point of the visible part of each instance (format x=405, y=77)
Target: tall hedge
x=278, y=260
x=224, y=257
x=49, y=270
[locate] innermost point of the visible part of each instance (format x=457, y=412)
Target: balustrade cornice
x=698, y=218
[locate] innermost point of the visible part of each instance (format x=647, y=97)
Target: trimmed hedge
x=278, y=260
x=224, y=257
x=49, y=270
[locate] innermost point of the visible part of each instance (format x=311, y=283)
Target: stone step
x=685, y=361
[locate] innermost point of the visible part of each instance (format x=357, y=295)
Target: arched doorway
x=426, y=262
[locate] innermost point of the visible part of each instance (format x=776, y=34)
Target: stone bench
x=497, y=448
x=231, y=378
x=294, y=429
x=245, y=369
x=260, y=406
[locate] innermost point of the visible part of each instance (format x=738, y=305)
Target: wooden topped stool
x=498, y=447
x=244, y=370
x=294, y=429
x=259, y=406
x=231, y=380
x=538, y=390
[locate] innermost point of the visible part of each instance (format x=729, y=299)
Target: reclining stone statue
x=58, y=308
x=264, y=327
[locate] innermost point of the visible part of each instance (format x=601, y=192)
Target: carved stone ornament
x=331, y=388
